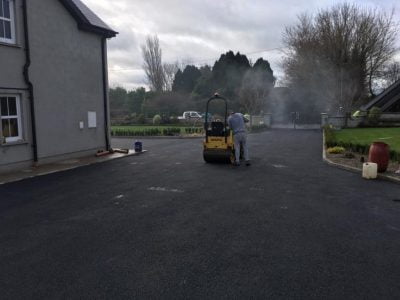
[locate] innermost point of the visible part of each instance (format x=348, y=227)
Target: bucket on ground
x=138, y=146
x=379, y=154
x=370, y=170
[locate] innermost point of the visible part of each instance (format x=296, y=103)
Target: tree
x=169, y=74
x=228, y=73
x=117, y=98
x=152, y=56
x=167, y=104
x=186, y=81
x=334, y=57
x=135, y=100
x=256, y=85
x=391, y=73
x=204, y=85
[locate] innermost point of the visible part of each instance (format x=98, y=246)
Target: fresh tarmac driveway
x=166, y=225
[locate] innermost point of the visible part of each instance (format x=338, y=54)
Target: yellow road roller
x=218, y=143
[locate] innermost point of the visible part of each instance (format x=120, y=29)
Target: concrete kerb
x=20, y=175
x=349, y=168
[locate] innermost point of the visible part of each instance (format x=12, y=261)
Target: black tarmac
x=166, y=225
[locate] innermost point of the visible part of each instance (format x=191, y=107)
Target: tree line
x=246, y=85
x=335, y=60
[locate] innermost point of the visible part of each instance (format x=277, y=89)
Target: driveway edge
x=349, y=168
x=57, y=167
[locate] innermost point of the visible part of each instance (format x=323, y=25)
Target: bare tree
x=152, y=56
x=170, y=70
x=254, y=92
x=334, y=57
x=391, y=73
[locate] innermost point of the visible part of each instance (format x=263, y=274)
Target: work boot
x=248, y=163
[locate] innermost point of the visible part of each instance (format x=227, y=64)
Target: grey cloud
x=200, y=30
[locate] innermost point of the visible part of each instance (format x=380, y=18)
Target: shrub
x=373, y=116
x=140, y=119
x=330, y=139
x=157, y=120
x=193, y=130
x=335, y=150
x=173, y=120
x=171, y=131
x=165, y=119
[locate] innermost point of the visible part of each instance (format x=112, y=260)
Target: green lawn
x=365, y=136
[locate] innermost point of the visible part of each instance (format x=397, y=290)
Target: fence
x=385, y=120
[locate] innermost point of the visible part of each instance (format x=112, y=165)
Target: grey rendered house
x=53, y=82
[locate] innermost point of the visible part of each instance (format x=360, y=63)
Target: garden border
x=349, y=168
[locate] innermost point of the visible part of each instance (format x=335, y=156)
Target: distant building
x=53, y=81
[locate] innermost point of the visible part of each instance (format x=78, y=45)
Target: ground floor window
x=10, y=116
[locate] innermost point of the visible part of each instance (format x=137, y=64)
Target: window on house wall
x=7, y=21
x=10, y=117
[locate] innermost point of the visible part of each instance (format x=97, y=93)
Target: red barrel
x=379, y=154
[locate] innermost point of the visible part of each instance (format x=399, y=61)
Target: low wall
x=386, y=119
x=261, y=120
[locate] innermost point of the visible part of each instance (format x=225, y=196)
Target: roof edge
x=83, y=22
x=381, y=97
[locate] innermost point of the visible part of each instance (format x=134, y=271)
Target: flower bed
x=360, y=143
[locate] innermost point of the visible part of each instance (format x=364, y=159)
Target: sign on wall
x=92, y=119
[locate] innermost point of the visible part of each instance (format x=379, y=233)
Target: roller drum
x=217, y=156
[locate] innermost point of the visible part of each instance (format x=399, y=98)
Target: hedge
x=192, y=130
x=168, y=131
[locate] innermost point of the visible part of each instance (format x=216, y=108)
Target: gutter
x=105, y=91
x=28, y=82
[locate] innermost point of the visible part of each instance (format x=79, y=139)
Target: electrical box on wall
x=92, y=119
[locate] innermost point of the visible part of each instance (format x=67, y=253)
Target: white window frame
x=18, y=117
x=12, y=22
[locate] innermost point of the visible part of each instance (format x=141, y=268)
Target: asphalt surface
x=166, y=225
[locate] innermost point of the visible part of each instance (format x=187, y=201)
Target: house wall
x=12, y=61
x=67, y=75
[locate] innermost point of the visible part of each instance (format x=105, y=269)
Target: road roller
x=218, y=143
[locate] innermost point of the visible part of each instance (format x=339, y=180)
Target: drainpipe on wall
x=28, y=82
x=105, y=90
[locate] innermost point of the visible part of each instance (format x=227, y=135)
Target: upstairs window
x=7, y=21
x=10, y=117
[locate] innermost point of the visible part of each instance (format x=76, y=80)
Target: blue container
x=138, y=146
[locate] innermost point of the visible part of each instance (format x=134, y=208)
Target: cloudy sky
x=198, y=31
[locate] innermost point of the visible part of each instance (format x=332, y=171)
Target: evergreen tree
x=186, y=81
x=135, y=100
x=117, y=98
x=228, y=73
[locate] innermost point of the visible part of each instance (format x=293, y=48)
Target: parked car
x=187, y=115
